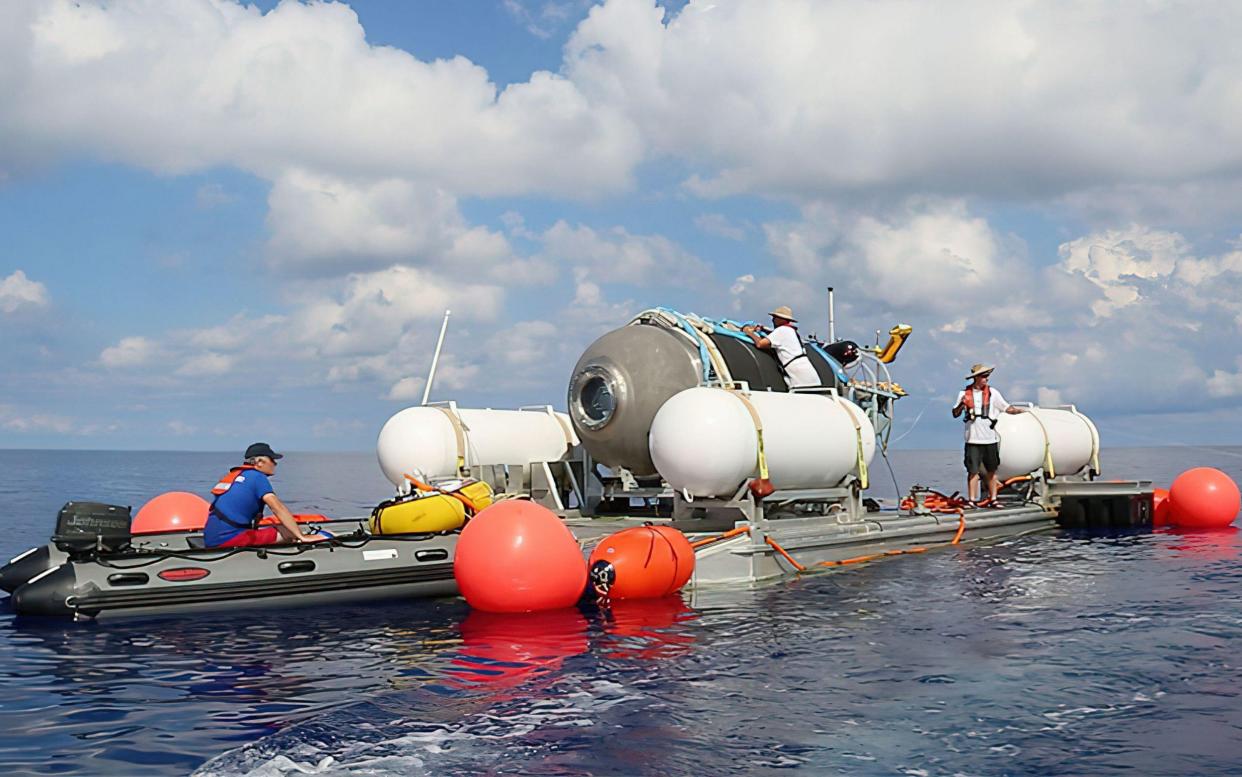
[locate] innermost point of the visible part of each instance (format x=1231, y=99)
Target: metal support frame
x=847, y=499
x=595, y=488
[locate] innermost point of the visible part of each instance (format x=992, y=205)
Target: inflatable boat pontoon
x=94, y=568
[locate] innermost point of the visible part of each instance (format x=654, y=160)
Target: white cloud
x=889, y=126
x=738, y=290
x=129, y=352
x=527, y=344
x=1116, y=323
x=1140, y=265
x=234, y=334
x=408, y=389
x=206, y=364
x=983, y=96
x=180, y=428
x=547, y=18
x=928, y=255
x=18, y=292
x=371, y=328
x=212, y=195
x=1115, y=259
x=327, y=223
x=1048, y=396
x=453, y=374
x=720, y=226
x=332, y=427
x=1225, y=384
x=617, y=256
x=14, y=420
x=192, y=84
x=374, y=310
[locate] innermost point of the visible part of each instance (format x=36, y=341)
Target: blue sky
x=227, y=221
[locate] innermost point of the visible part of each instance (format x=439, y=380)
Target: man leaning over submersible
x=982, y=406
x=790, y=351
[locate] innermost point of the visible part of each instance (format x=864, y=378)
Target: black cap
x=262, y=449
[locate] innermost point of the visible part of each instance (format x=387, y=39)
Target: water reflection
x=646, y=628
x=124, y=687
x=1205, y=544
x=504, y=649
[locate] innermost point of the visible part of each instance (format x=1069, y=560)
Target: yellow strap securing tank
x=429, y=511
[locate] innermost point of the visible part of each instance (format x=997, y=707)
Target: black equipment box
x=1107, y=511
x=83, y=526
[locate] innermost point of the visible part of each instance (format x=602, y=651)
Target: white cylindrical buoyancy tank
x=703, y=440
x=1022, y=444
x=1028, y=440
x=1072, y=439
x=427, y=439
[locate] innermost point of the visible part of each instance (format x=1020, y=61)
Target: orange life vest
x=224, y=485
x=985, y=411
x=226, y=482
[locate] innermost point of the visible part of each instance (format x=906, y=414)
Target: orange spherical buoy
x=1204, y=498
x=643, y=562
x=1160, y=514
x=517, y=556
x=173, y=511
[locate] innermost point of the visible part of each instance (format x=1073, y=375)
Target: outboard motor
x=83, y=527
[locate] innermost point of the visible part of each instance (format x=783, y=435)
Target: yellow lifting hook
x=896, y=338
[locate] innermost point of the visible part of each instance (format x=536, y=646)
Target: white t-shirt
x=980, y=430
x=799, y=372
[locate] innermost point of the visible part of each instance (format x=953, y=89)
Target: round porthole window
x=598, y=403
x=593, y=397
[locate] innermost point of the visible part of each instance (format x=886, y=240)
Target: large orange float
x=170, y=512
x=517, y=556
x=1204, y=498
x=643, y=562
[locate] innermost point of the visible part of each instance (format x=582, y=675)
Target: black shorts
x=982, y=458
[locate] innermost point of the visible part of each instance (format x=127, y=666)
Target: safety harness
x=223, y=486
x=802, y=345
x=985, y=410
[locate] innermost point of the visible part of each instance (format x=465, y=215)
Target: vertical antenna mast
x=832, y=319
x=435, y=359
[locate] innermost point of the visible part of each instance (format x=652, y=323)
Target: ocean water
x=1050, y=653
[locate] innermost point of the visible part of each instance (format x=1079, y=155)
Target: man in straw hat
x=784, y=341
x=981, y=405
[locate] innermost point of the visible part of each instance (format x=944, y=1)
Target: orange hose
x=784, y=553
x=936, y=502
x=421, y=486
x=730, y=533
x=873, y=556
x=855, y=560
x=961, y=527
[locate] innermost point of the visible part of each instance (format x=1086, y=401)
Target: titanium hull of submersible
x=626, y=376
x=619, y=384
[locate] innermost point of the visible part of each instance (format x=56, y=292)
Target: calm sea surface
x=1047, y=654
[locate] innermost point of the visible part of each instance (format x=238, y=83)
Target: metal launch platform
x=748, y=539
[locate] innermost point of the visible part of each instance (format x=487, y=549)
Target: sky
x=222, y=222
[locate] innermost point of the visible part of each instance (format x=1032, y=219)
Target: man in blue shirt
x=233, y=520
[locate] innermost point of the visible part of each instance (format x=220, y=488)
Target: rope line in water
x=801, y=568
